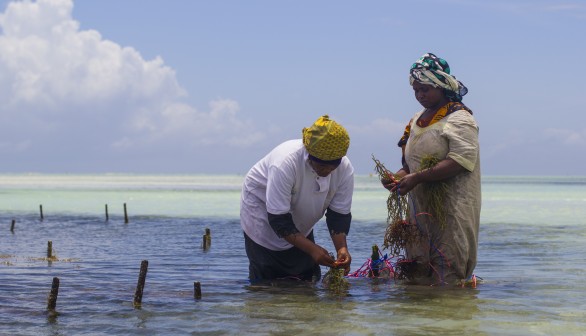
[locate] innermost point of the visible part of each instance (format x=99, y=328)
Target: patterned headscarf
x=326, y=139
x=432, y=70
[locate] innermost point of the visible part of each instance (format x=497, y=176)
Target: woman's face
x=428, y=96
x=322, y=169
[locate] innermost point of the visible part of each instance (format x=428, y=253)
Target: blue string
x=377, y=265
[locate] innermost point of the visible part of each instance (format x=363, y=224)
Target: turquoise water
x=532, y=247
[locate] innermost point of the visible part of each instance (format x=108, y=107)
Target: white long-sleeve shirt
x=284, y=182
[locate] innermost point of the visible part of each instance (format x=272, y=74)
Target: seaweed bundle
x=397, y=207
x=399, y=232
x=335, y=281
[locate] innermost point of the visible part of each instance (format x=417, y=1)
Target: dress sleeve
x=461, y=131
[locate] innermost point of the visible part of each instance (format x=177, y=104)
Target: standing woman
x=445, y=131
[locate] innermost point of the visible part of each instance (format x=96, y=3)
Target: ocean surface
x=531, y=260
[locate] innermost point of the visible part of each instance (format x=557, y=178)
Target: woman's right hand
x=392, y=181
x=407, y=183
x=321, y=256
x=388, y=182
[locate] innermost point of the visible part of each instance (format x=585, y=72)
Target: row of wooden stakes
x=52, y=298
x=107, y=215
x=12, y=225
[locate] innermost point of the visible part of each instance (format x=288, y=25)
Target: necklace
x=421, y=121
x=434, y=115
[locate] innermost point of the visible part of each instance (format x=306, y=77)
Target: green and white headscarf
x=435, y=71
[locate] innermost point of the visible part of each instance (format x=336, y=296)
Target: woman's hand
x=407, y=183
x=344, y=259
x=389, y=182
x=321, y=256
x=445, y=169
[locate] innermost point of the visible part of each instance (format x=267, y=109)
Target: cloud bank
x=70, y=89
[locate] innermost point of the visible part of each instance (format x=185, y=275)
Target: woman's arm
x=317, y=253
x=442, y=170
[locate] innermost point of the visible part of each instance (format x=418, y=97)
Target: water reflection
x=52, y=316
x=286, y=307
x=143, y=317
x=437, y=310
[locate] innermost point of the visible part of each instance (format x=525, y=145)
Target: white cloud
x=14, y=147
x=566, y=136
x=378, y=126
x=576, y=9
x=60, y=85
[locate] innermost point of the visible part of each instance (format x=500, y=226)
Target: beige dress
x=446, y=255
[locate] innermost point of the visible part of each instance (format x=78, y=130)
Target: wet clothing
x=448, y=254
x=282, y=195
x=292, y=264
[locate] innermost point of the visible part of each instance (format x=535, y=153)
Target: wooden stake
x=196, y=290
x=12, y=226
x=49, y=249
x=205, y=242
x=107, y=217
x=125, y=214
x=209, y=237
x=52, y=300
x=41, y=207
x=144, y=265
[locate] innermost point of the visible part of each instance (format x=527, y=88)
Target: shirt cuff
x=337, y=222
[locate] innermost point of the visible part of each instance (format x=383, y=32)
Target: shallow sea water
x=531, y=262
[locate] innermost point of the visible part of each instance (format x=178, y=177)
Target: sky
x=210, y=87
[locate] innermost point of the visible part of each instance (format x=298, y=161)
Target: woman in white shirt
x=287, y=192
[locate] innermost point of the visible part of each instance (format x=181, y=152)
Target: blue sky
x=152, y=86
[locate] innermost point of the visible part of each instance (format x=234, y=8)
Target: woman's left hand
x=406, y=184
x=445, y=169
x=344, y=259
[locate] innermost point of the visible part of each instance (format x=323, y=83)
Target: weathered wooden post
x=196, y=290
x=207, y=239
x=125, y=214
x=41, y=208
x=209, y=236
x=107, y=216
x=144, y=265
x=52, y=299
x=12, y=226
x=49, y=249
x=204, y=242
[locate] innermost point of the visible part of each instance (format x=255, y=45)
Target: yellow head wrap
x=326, y=139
